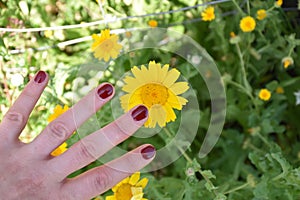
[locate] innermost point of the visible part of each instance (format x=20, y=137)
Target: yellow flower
x=287, y=61
x=264, y=94
x=157, y=89
x=279, y=90
x=58, y=110
x=247, y=24
x=129, y=189
x=102, y=1
x=106, y=46
x=48, y=33
x=278, y=3
x=232, y=34
x=261, y=14
x=152, y=23
x=208, y=14
x=59, y=150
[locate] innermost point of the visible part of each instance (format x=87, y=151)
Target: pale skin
x=28, y=171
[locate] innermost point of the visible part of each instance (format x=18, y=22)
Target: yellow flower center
x=153, y=93
x=107, y=44
x=264, y=95
x=124, y=192
x=248, y=24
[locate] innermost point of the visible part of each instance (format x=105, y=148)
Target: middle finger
x=62, y=127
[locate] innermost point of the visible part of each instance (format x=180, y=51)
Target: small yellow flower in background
x=208, y=14
x=261, y=14
x=279, y=90
x=152, y=23
x=247, y=24
x=278, y=3
x=58, y=110
x=234, y=39
x=59, y=150
x=287, y=61
x=232, y=34
x=128, y=34
x=102, y=1
x=157, y=89
x=106, y=46
x=264, y=94
x=48, y=33
x=130, y=188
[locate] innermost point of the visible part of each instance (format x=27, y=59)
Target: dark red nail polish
x=40, y=77
x=105, y=91
x=139, y=113
x=148, y=152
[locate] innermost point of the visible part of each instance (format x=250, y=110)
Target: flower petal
x=110, y=198
x=142, y=183
x=139, y=75
x=134, y=178
x=158, y=115
x=171, y=77
x=170, y=112
x=179, y=87
x=163, y=73
x=173, y=101
x=137, y=191
x=153, y=70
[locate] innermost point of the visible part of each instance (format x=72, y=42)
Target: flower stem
x=238, y=7
x=263, y=139
x=179, y=147
x=248, y=7
x=244, y=75
x=237, y=188
x=190, y=161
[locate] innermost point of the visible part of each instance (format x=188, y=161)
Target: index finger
x=16, y=117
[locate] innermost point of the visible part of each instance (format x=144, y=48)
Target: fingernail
x=105, y=91
x=148, y=152
x=139, y=113
x=40, y=77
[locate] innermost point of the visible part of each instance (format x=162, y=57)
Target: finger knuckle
x=102, y=180
x=58, y=130
x=17, y=118
x=87, y=150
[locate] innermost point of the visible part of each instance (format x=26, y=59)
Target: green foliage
x=258, y=154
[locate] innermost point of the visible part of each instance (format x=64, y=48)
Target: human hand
x=28, y=171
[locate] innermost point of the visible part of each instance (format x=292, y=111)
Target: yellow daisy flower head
x=155, y=87
x=264, y=94
x=152, y=23
x=232, y=34
x=59, y=150
x=247, y=24
x=261, y=14
x=48, y=33
x=279, y=90
x=130, y=188
x=208, y=14
x=287, y=61
x=58, y=110
x=278, y=3
x=106, y=46
x=234, y=39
